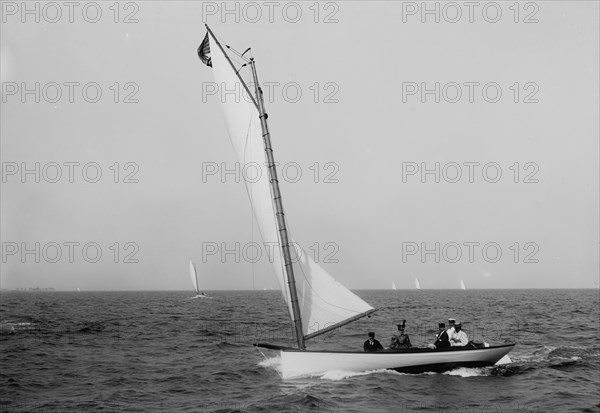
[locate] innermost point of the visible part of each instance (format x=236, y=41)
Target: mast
x=283, y=234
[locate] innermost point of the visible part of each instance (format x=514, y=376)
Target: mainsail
x=462, y=285
x=393, y=285
x=194, y=277
x=324, y=303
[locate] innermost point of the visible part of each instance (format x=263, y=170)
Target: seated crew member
x=401, y=340
x=451, y=330
x=441, y=339
x=371, y=344
x=459, y=338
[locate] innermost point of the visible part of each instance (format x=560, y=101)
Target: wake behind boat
x=316, y=302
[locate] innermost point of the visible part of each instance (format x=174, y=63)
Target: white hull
x=295, y=363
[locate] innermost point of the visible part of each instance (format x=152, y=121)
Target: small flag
x=204, y=52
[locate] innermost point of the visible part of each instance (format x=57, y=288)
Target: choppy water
x=161, y=351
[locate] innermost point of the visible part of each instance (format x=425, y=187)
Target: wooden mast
x=283, y=233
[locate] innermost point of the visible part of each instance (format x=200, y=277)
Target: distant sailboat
x=417, y=284
x=194, y=277
x=393, y=285
x=316, y=302
x=462, y=285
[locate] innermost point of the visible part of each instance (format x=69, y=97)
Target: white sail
x=393, y=285
x=323, y=301
x=462, y=285
x=417, y=284
x=194, y=277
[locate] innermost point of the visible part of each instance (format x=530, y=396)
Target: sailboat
x=316, y=302
x=194, y=277
x=417, y=284
x=462, y=285
x=393, y=285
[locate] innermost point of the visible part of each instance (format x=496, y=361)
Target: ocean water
x=162, y=351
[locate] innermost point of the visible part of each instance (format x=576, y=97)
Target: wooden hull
x=298, y=363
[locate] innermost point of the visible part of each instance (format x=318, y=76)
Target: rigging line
x=240, y=55
x=244, y=62
x=233, y=59
x=241, y=63
x=249, y=191
x=231, y=48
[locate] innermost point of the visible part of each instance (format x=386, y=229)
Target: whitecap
x=466, y=372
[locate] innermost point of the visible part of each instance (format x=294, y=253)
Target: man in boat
x=400, y=340
x=441, y=340
x=459, y=338
x=371, y=344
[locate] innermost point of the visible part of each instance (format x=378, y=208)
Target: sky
x=432, y=140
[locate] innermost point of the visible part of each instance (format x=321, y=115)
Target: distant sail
x=462, y=285
x=194, y=277
x=393, y=285
x=417, y=284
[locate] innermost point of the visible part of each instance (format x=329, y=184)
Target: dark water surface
x=162, y=351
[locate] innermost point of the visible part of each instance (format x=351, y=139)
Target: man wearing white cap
x=459, y=338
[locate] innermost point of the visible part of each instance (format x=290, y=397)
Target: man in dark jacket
x=441, y=339
x=371, y=344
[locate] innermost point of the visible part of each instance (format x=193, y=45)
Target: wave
x=335, y=375
x=274, y=363
x=227, y=344
x=468, y=372
x=91, y=327
x=226, y=376
x=9, y=327
x=553, y=357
